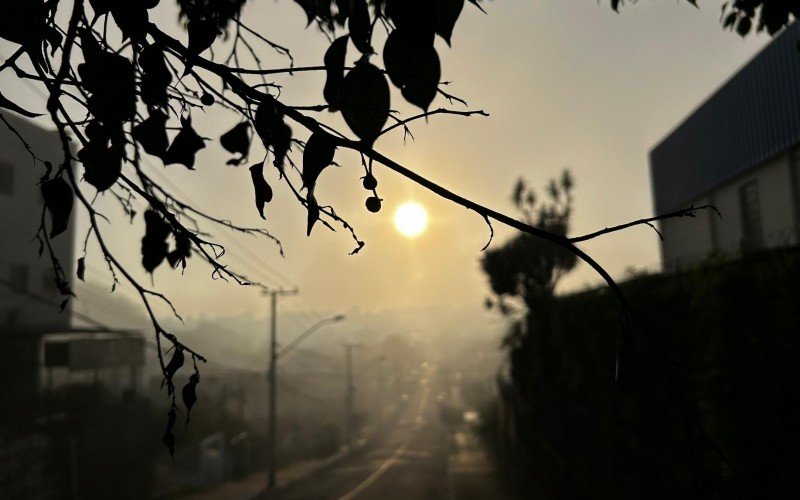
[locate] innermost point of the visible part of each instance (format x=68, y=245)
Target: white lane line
x=395, y=456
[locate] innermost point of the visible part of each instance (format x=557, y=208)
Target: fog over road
x=417, y=457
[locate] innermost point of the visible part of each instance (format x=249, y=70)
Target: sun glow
x=410, y=219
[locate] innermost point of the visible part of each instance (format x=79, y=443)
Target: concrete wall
x=20, y=213
x=686, y=240
x=689, y=241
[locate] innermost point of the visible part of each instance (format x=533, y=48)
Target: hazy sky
x=567, y=83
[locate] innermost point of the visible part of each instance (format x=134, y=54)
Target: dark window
x=749, y=203
x=6, y=178
x=18, y=276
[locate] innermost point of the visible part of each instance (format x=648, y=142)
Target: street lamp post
x=273, y=389
x=271, y=380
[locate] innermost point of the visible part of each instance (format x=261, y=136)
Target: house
x=738, y=151
x=23, y=273
x=42, y=346
x=47, y=359
x=28, y=295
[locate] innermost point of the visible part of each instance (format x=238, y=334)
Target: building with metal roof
x=736, y=151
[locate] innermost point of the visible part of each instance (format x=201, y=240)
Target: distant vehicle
x=405, y=398
x=471, y=417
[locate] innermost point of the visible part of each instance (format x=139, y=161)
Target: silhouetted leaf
x=237, y=140
x=268, y=118
x=360, y=26
x=110, y=79
x=412, y=67
x=58, y=199
x=316, y=9
x=156, y=76
x=169, y=439
x=154, y=242
x=102, y=164
x=364, y=100
x=416, y=17
x=101, y=7
x=202, y=33
x=152, y=134
x=308, y=7
x=189, y=394
x=182, y=251
x=447, y=12
x=282, y=143
x=175, y=364
x=476, y=4
x=131, y=18
x=152, y=62
x=318, y=154
x=313, y=213
x=7, y=104
x=729, y=20
x=81, y=272
x=23, y=22
x=274, y=133
x=334, y=67
x=185, y=146
x=743, y=26
x=343, y=11
x=262, y=190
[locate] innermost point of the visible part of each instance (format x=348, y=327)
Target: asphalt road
x=418, y=458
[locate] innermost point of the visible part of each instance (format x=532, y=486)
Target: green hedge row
x=717, y=364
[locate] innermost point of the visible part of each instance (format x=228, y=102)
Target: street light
x=313, y=328
x=273, y=387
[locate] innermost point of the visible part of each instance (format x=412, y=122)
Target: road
x=418, y=458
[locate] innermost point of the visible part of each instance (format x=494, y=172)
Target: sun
x=410, y=219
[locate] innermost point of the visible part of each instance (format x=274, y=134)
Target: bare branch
x=684, y=212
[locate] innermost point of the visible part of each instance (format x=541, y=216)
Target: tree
x=117, y=86
x=526, y=269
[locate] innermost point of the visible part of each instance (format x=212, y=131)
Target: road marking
x=395, y=456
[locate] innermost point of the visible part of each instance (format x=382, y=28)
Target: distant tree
x=524, y=271
x=119, y=88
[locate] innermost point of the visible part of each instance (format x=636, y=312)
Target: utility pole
x=350, y=392
x=272, y=383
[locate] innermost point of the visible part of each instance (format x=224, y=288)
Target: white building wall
x=20, y=213
x=689, y=241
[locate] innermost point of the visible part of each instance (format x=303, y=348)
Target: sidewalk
x=472, y=474
x=254, y=484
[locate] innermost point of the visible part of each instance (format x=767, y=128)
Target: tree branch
x=685, y=212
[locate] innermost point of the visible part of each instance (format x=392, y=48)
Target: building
x=737, y=151
x=42, y=346
x=27, y=283
x=23, y=274
x=46, y=361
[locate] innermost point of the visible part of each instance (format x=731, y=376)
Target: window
x=18, y=276
x=752, y=231
x=6, y=178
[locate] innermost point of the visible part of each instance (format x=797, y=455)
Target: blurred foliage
x=525, y=270
x=721, y=348
x=744, y=15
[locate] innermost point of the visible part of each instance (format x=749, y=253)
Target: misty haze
x=399, y=249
